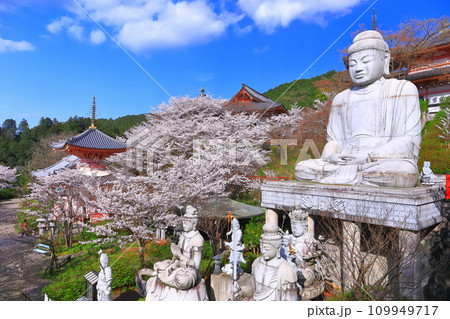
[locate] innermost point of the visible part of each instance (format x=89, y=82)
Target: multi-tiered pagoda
x=92, y=147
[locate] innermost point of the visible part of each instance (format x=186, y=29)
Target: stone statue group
x=374, y=133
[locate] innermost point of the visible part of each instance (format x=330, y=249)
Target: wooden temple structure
x=248, y=100
x=92, y=146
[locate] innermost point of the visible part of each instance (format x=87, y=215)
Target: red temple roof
x=249, y=100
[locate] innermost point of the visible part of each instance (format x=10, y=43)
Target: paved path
x=19, y=265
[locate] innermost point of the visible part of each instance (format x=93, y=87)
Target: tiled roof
x=66, y=163
x=255, y=94
x=254, y=106
x=92, y=138
x=428, y=73
x=219, y=208
x=262, y=103
x=440, y=38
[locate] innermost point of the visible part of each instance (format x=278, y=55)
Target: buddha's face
x=189, y=224
x=268, y=251
x=366, y=66
x=298, y=228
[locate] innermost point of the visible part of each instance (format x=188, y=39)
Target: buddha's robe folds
x=380, y=124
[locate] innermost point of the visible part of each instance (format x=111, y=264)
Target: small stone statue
x=170, y=278
x=300, y=242
x=428, y=177
x=273, y=277
x=236, y=249
x=374, y=128
x=302, y=253
x=104, y=279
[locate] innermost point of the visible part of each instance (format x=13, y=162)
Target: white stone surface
x=406, y=208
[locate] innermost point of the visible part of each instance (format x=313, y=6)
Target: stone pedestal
x=221, y=285
x=406, y=210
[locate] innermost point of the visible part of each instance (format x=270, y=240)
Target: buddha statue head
x=190, y=219
x=299, y=223
x=368, y=58
x=271, y=238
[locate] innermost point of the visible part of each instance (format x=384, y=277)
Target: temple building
x=248, y=100
x=432, y=76
x=92, y=147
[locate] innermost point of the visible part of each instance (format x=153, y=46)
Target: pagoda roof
x=250, y=100
x=92, y=139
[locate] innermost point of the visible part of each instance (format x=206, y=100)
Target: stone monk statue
x=374, y=127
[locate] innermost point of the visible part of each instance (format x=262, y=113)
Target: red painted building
x=247, y=100
x=432, y=76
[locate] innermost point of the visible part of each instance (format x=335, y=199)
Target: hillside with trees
x=302, y=92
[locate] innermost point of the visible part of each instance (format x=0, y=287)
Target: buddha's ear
x=279, y=252
x=387, y=61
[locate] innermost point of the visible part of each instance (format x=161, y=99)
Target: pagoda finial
x=202, y=92
x=374, y=20
x=93, y=114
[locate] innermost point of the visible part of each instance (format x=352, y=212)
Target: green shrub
x=124, y=270
x=7, y=193
x=252, y=232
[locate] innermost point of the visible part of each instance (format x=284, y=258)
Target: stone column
x=410, y=274
x=158, y=233
x=351, y=254
x=311, y=225
x=162, y=233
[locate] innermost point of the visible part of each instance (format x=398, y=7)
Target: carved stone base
x=157, y=291
x=313, y=291
x=409, y=210
x=405, y=208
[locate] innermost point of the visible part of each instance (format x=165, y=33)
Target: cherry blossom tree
x=131, y=209
x=196, y=149
x=59, y=198
x=7, y=176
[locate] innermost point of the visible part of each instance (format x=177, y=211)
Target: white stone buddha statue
x=104, y=279
x=175, y=279
x=374, y=127
x=274, y=278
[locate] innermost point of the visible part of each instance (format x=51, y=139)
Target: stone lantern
x=41, y=225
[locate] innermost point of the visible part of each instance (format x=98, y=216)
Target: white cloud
x=142, y=25
x=11, y=46
x=270, y=14
x=71, y=25
x=97, y=37
x=176, y=25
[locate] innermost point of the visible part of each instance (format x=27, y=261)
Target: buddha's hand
x=176, y=250
x=348, y=159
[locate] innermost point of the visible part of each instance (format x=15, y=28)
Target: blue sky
x=55, y=55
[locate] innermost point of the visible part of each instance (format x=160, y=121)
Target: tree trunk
x=141, y=252
x=68, y=234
